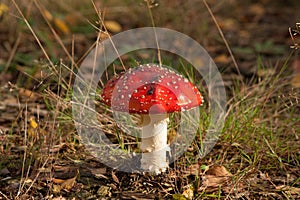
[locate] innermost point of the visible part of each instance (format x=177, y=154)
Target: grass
x=259, y=144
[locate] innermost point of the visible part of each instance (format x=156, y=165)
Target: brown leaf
x=223, y=59
x=57, y=181
x=215, y=177
x=61, y=25
x=112, y=26
x=65, y=184
x=47, y=15
x=28, y=94
x=3, y=9
x=193, y=170
x=69, y=183
x=296, y=80
x=257, y=9
x=188, y=192
x=229, y=24
x=114, y=177
x=218, y=171
x=213, y=181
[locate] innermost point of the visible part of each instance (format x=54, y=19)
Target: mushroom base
x=154, y=143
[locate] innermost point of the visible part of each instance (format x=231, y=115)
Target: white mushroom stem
x=154, y=143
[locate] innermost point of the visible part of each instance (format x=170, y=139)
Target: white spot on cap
x=182, y=100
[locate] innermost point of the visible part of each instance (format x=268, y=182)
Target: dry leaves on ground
x=61, y=184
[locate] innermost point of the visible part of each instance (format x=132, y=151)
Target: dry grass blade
x=155, y=34
x=224, y=39
x=106, y=31
x=36, y=37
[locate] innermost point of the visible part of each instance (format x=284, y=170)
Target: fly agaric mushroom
x=152, y=92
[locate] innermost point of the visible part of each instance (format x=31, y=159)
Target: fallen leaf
x=28, y=94
x=112, y=26
x=3, y=9
x=69, y=183
x=218, y=171
x=296, y=81
x=47, y=15
x=215, y=177
x=229, y=24
x=188, y=192
x=61, y=25
x=56, y=188
x=33, y=123
x=104, y=191
x=257, y=9
x=223, y=59
x=64, y=184
x=114, y=177
x=58, y=181
x=192, y=170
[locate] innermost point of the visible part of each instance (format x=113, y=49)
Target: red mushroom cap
x=151, y=89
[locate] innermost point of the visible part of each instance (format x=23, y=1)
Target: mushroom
x=151, y=91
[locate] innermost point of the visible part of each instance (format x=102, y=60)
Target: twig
x=4, y=195
x=25, y=152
